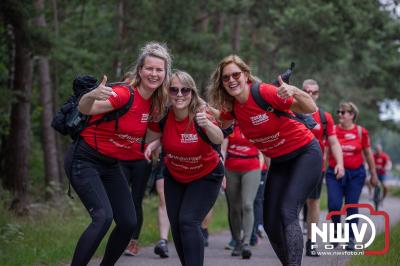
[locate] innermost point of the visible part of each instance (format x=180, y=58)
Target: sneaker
x=161, y=248
x=204, y=231
x=261, y=232
x=253, y=240
x=246, y=252
x=237, y=250
x=132, y=248
x=231, y=245
x=350, y=245
x=310, y=251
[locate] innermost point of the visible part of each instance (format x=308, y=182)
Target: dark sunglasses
x=175, y=91
x=312, y=92
x=340, y=112
x=234, y=75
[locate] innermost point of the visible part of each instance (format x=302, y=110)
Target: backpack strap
x=359, y=131
x=263, y=104
x=203, y=135
x=117, y=113
x=323, y=121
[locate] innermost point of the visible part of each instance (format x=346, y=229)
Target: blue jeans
x=349, y=187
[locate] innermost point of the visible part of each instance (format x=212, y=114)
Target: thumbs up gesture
x=202, y=120
x=102, y=92
x=285, y=90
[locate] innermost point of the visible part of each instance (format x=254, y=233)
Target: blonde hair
x=216, y=93
x=350, y=107
x=196, y=103
x=310, y=82
x=161, y=51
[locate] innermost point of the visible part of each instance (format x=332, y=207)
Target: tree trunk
x=236, y=34
x=52, y=174
x=56, y=82
x=19, y=140
x=117, y=64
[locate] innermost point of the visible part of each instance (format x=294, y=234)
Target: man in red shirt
x=383, y=164
x=324, y=131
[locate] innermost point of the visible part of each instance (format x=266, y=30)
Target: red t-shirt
x=381, y=160
x=352, y=146
x=273, y=136
x=187, y=156
x=241, y=155
x=124, y=144
x=318, y=130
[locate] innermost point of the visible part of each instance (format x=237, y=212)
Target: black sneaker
x=237, y=250
x=246, y=252
x=161, y=249
x=310, y=251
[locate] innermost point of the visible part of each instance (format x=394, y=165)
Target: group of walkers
x=110, y=162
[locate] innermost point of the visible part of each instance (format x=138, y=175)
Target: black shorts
x=316, y=193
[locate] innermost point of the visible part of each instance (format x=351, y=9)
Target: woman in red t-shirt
x=95, y=162
x=296, y=159
x=243, y=174
x=194, y=171
x=355, y=144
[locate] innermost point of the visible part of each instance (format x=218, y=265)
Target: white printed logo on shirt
x=349, y=136
x=259, y=119
x=145, y=118
x=189, y=138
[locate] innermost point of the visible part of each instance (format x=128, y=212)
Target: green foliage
x=390, y=258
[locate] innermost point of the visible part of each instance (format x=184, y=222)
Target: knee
x=102, y=218
x=127, y=225
x=248, y=207
x=187, y=224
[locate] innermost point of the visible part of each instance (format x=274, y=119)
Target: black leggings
x=104, y=192
x=137, y=173
x=290, y=180
x=187, y=206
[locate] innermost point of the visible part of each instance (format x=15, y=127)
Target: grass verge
x=49, y=235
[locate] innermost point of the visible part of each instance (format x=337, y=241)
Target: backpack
x=307, y=120
x=69, y=121
x=217, y=147
x=323, y=121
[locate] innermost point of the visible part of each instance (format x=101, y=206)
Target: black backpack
x=323, y=121
x=307, y=120
x=217, y=147
x=69, y=121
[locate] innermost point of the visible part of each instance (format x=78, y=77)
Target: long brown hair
x=216, y=93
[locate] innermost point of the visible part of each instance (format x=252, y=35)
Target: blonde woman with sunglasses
x=194, y=172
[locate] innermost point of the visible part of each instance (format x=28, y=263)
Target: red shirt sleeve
x=270, y=94
x=330, y=125
x=365, y=139
x=121, y=98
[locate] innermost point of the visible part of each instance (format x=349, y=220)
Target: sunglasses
x=312, y=92
x=340, y=112
x=234, y=75
x=174, y=91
